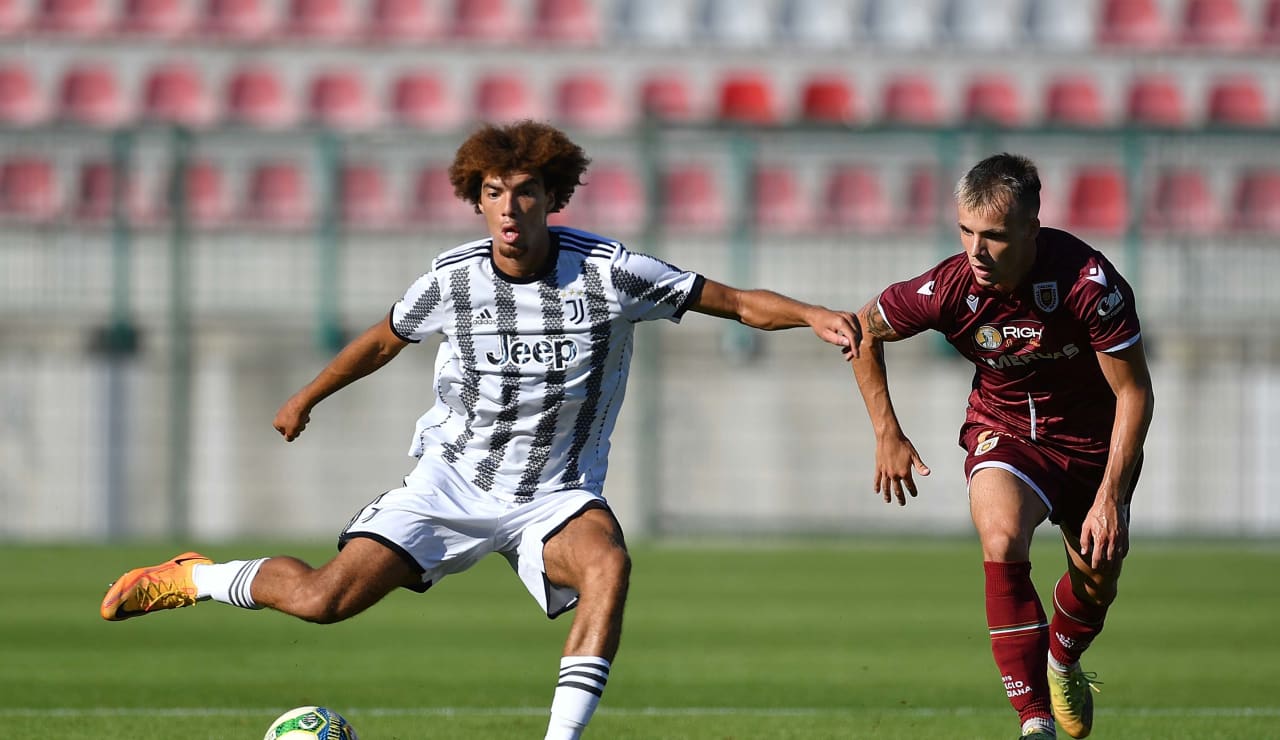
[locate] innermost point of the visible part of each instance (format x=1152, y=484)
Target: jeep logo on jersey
x=554, y=353
x=1110, y=304
x=1045, y=295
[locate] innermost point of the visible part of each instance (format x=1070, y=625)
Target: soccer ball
x=310, y=723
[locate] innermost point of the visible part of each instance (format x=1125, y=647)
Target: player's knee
x=610, y=572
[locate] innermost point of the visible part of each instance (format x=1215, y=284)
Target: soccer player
x=1056, y=420
x=537, y=327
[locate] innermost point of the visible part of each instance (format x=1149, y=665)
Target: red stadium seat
x=1155, y=100
x=1216, y=23
x=1256, y=202
x=1270, y=33
x=587, y=101
x=256, y=97
x=922, y=203
x=1137, y=23
x=363, y=200
x=96, y=193
x=238, y=20
x=486, y=21
x=435, y=203
x=89, y=96
x=829, y=98
x=1181, y=202
x=612, y=200
x=855, y=199
x=911, y=100
x=993, y=99
x=278, y=195
x=324, y=20
x=504, y=98
x=404, y=21
x=337, y=98
x=159, y=18
x=778, y=203
x=21, y=103
x=204, y=197
x=692, y=199
x=747, y=97
x=174, y=93
x=73, y=17
x=1098, y=201
x=1074, y=100
x=566, y=21
x=28, y=189
x=14, y=17
x=420, y=99
x=666, y=97
x=1237, y=101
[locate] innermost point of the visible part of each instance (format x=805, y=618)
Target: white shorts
x=440, y=523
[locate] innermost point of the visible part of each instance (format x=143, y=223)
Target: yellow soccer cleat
x=1072, y=696
x=145, y=590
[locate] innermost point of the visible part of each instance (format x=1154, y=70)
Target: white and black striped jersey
x=531, y=372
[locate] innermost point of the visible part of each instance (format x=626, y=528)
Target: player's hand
x=840, y=328
x=292, y=418
x=1104, y=535
x=895, y=459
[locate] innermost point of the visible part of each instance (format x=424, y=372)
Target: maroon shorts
x=1067, y=481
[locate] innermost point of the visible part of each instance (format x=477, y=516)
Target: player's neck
x=525, y=260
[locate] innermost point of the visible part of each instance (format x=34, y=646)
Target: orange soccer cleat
x=145, y=590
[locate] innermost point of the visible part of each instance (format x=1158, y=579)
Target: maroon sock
x=1019, y=637
x=1075, y=623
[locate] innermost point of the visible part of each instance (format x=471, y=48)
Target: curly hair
x=524, y=146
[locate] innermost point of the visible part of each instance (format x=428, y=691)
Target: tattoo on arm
x=876, y=325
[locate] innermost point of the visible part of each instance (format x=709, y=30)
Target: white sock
x=1038, y=723
x=227, y=582
x=1059, y=667
x=582, y=680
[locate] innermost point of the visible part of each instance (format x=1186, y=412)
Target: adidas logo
x=483, y=317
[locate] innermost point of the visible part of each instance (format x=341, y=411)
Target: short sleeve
x=1106, y=304
x=648, y=288
x=914, y=305
x=418, y=314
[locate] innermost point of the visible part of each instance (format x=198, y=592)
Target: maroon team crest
x=1046, y=295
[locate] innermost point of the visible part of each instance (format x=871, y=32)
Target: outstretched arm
x=765, y=309
x=362, y=356
x=895, y=455
x=1106, y=530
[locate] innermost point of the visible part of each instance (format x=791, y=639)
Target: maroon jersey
x=1037, y=372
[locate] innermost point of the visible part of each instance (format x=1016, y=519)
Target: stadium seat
x=612, y=200
x=15, y=17
x=1216, y=23
x=28, y=189
x=747, y=97
x=404, y=21
x=655, y=22
x=779, y=205
x=899, y=24
x=504, y=98
x=1270, y=32
x=337, y=98
x=90, y=96
x=363, y=199
x=1074, y=100
x=21, y=103
x=256, y=96
x=1098, y=201
x=435, y=203
x=238, y=20
x=692, y=199
x=1155, y=100
x=421, y=99
x=278, y=195
x=735, y=23
x=1181, y=202
x=566, y=22
x=1060, y=25
x=586, y=100
x=817, y=24
x=205, y=196
x=486, y=21
x=1256, y=203
x=993, y=99
x=1136, y=23
x=855, y=199
x=73, y=17
x=1237, y=101
x=829, y=98
x=982, y=24
x=922, y=204
x=156, y=18
x=910, y=100
x=667, y=97
x=96, y=193
x=174, y=93
x=321, y=20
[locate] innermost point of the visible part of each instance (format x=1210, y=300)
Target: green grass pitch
x=855, y=638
